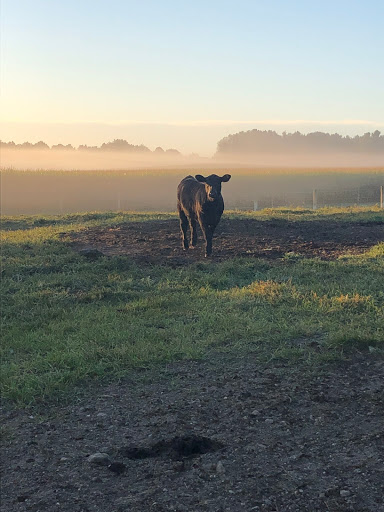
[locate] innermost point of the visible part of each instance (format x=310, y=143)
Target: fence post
x=118, y=201
x=381, y=197
x=358, y=196
x=255, y=206
x=314, y=199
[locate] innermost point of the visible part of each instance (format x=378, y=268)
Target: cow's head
x=213, y=184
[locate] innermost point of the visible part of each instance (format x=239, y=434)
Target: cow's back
x=190, y=194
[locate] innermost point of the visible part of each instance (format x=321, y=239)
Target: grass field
x=66, y=321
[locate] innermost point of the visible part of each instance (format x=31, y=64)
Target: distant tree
x=25, y=145
x=8, y=145
x=257, y=141
x=115, y=145
x=123, y=145
x=68, y=147
x=40, y=145
x=142, y=149
x=87, y=148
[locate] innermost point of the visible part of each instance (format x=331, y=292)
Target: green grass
x=66, y=321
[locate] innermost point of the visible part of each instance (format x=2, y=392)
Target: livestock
x=199, y=200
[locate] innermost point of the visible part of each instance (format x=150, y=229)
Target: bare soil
x=226, y=434
x=160, y=242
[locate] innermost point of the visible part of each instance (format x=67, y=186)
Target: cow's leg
x=193, y=231
x=208, y=234
x=214, y=223
x=208, y=241
x=211, y=229
x=183, y=228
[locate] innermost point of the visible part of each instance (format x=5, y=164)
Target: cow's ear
x=226, y=177
x=201, y=178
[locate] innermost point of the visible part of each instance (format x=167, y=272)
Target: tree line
x=116, y=145
x=268, y=141
x=242, y=143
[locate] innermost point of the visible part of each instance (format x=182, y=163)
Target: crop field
x=55, y=192
x=264, y=355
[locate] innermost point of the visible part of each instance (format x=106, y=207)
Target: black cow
x=200, y=199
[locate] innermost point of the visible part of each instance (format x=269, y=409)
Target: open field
x=272, y=350
x=54, y=192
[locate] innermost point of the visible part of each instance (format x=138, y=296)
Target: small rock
x=99, y=458
x=101, y=415
x=255, y=412
x=63, y=459
x=269, y=421
x=220, y=467
x=344, y=493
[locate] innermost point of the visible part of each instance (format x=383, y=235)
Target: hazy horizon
x=252, y=148
x=193, y=138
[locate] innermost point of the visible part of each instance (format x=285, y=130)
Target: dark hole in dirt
x=186, y=446
x=117, y=467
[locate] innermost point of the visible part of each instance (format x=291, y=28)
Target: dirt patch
x=159, y=241
x=227, y=434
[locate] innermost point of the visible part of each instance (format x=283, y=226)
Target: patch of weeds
x=292, y=256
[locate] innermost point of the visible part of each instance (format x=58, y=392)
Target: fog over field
x=255, y=148
x=54, y=192
x=107, y=160
x=65, y=160
x=268, y=170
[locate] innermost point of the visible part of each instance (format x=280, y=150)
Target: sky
x=185, y=74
